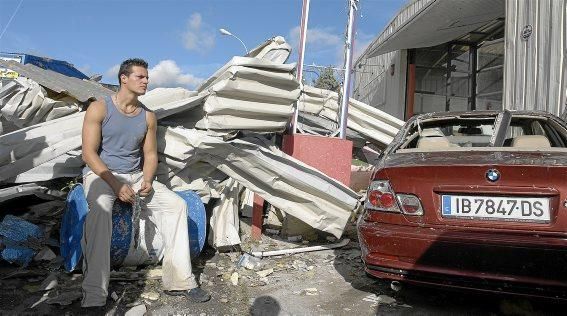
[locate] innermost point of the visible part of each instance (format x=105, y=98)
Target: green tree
x=327, y=80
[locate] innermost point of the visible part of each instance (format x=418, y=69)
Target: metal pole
x=349, y=45
x=302, y=40
x=238, y=38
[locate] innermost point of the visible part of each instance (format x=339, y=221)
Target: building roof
x=426, y=23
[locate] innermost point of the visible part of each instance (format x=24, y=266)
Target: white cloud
x=167, y=74
x=198, y=36
x=316, y=37
x=112, y=73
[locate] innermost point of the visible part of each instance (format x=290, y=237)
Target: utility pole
x=349, y=45
x=302, y=41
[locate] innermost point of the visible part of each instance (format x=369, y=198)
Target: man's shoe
x=195, y=295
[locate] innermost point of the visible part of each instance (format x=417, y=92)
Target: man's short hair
x=126, y=67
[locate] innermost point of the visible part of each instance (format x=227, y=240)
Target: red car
x=474, y=200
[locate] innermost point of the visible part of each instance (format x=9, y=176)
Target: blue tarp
x=59, y=66
x=20, y=237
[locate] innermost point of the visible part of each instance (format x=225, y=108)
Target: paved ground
x=330, y=282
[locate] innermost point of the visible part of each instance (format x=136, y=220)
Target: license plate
x=506, y=208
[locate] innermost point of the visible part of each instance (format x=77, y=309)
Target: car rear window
x=451, y=133
x=518, y=132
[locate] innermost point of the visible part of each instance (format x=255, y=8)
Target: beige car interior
x=531, y=141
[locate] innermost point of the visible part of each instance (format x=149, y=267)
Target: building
x=453, y=55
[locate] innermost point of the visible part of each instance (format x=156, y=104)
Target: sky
x=180, y=39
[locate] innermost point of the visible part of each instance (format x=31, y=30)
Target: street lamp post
x=225, y=32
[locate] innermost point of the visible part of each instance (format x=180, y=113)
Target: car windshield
x=470, y=132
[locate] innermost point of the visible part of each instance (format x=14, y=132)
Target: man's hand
x=145, y=188
x=125, y=193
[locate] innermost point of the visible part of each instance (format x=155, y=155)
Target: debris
x=42, y=299
x=261, y=254
x=331, y=238
x=65, y=298
x=45, y=254
x=385, y=299
x=295, y=238
x=138, y=310
x=396, y=286
x=114, y=296
x=154, y=274
x=224, y=300
x=21, y=238
x=49, y=283
x=272, y=231
x=203, y=277
x=249, y=262
x=299, y=265
x=309, y=292
x=29, y=189
x=152, y=296
x=265, y=273
x=234, y=278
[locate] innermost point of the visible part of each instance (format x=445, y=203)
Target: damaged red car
x=471, y=200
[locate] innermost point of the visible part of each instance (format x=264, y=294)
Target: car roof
x=477, y=114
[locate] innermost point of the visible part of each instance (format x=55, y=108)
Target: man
x=120, y=150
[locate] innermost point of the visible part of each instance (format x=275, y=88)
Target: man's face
x=137, y=81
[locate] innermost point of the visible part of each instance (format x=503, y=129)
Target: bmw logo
x=493, y=175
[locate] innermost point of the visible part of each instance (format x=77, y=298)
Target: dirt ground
x=329, y=282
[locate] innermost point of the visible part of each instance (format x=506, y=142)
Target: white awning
x=426, y=23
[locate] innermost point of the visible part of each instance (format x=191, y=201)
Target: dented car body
x=474, y=200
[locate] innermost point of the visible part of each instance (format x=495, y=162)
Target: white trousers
x=165, y=209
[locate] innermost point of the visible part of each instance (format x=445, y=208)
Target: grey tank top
x=121, y=144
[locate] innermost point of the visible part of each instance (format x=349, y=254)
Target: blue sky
x=179, y=39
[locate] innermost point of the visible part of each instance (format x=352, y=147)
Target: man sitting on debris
x=120, y=150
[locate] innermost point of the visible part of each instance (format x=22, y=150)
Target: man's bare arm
x=92, y=128
x=150, y=154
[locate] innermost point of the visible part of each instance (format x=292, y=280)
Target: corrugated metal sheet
x=535, y=66
x=379, y=81
x=81, y=90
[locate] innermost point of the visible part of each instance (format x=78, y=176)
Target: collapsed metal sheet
x=24, y=102
x=378, y=126
x=81, y=90
x=225, y=223
x=249, y=94
x=275, y=49
x=285, y=182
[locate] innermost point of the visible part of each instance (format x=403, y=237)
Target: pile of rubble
x=219, y=141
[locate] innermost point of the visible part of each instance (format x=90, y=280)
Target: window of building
x=466, y=74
